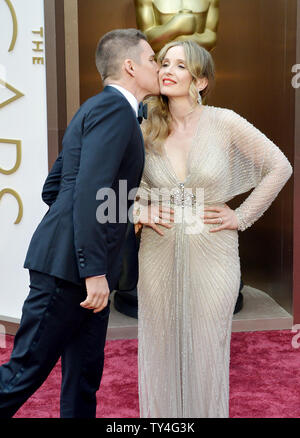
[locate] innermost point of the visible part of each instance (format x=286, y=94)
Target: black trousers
x=54, y=325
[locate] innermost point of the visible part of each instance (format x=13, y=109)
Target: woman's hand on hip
x=228, y=216
x=153, y=215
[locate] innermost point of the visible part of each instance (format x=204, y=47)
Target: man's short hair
x=116, y=46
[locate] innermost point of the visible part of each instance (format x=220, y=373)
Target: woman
x=189, y=270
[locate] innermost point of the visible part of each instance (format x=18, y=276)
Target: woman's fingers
x=166, y=213
x=156, y=215
x=229, y=220
x=165, y=225
x=156, y=228
x=213, y=218
x=167, y=217
x=166, y=209
x=213, y=208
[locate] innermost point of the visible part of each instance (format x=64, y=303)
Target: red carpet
x=264, y=379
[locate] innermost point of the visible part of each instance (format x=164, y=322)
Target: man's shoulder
x=103, y=106
x=108, y=108
x=105, y=98
x=107, y=104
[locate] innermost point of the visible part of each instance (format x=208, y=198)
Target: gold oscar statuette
x=177, y=20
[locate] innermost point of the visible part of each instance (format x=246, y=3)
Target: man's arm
x=52, y=183
x=106, y=134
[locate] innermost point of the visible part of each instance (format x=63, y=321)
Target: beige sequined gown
x=189, y=279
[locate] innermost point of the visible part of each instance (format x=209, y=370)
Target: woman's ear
x=202, y=83
x=128, y=67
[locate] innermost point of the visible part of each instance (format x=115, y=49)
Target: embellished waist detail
x=181, y=196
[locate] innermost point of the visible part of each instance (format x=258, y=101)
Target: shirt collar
x=128, y=95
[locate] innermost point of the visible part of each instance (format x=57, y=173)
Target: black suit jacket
x=102, y=145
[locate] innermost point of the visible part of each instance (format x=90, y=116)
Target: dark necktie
x=142, y=112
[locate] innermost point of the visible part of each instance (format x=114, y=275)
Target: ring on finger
x=156, y=219
x=220, y=220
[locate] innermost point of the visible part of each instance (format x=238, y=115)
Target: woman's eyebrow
x=178, y=60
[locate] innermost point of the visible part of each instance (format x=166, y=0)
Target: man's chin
x=163, y=93
x=153, y=93
x=156, y=91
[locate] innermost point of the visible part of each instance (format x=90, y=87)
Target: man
x=74, y=257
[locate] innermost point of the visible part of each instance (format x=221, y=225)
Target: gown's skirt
x=187, y=290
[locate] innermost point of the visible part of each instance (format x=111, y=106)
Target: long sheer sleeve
x=260, y=164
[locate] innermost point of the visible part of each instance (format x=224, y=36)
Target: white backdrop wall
x=23, y=120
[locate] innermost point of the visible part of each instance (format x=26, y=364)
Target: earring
x=199, y=100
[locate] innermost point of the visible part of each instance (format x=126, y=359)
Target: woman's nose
x=169, y=69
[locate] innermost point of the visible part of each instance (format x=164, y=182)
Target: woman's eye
x=181, y=66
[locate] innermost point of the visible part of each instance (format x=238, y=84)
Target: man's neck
x=129, y=87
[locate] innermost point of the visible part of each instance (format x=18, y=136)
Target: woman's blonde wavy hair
x=200, y=64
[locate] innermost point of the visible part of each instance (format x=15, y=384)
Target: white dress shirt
x=135, y=105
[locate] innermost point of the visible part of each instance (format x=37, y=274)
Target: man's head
x=124, y=56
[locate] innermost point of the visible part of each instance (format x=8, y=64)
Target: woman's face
x=174, y=77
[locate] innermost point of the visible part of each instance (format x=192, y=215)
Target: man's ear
x=129, y=67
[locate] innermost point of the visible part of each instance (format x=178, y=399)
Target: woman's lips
x=168, y=82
